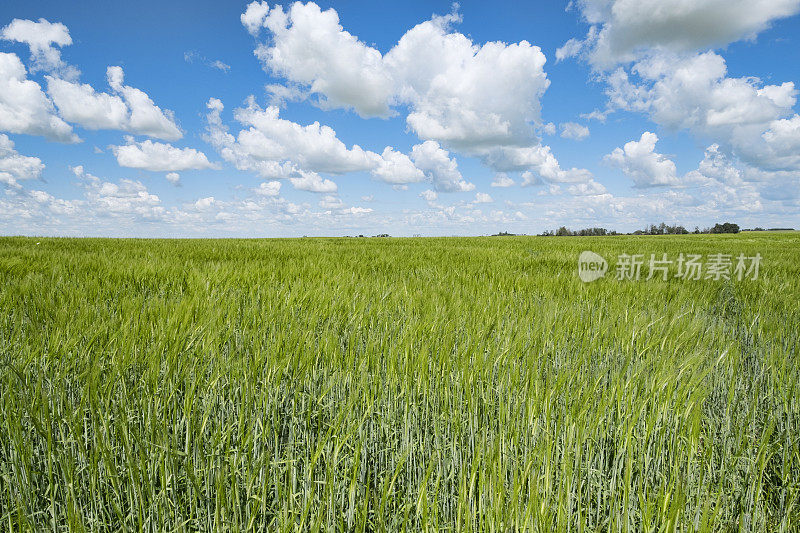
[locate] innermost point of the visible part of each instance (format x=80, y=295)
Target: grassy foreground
x=460, y=384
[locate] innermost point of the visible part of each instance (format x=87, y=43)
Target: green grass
x=459, y=384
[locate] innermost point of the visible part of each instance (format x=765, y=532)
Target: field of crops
x=458, y=384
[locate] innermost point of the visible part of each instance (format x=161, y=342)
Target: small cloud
x=269, y=188
x=159, y=157
x=313, y=182
x=205, y=203
x=597, y=115
x=358, y=210
x=193, y=56
x=571, y=48
x=174, y=178
x=429, y=195
x=574, y=131
x=219, y=65
x=502, y=180
x=331, y=202
x=591, y=188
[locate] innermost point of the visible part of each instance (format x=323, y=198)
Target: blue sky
x=233, y=119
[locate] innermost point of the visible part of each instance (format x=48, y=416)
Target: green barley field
x=425, y=384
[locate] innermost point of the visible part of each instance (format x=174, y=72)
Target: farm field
x=425, y=384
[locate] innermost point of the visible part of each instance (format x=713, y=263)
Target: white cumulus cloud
x=269, y=188
x=314, y=147
x=15, y=166
x=574, y=131
x=639, y=161
x=461, y=94
x=309, y=46
x=42, y=37
x=278, y=148
x=313, y=182
x=159, y=157
x=126, y=198
x=397, y=167
x=694, y=93
x=471, y=98
x=126, y=109
x=24, y=108
x=621, y=28
x=467, y=96
x=501, y=179
x=439, y=167
x=537, y=159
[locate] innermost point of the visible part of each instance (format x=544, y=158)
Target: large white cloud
x=80, y=104
x=127, y=109
x=693, y=93
x=145, y=117
x=621, y=28
x=24, y=108
x=779, y=146
x=159, y=157
x=314, y=147
x=309, y=46
x=716, y=167
x=14, y=166
x=639, y=161
x=653, y=55
x=396, y=167
x=539, y=159
x=279, y=148
x=254, y=16
x=460, y=94
x=467, y=96
x=723, y=184
x=439, y=167
x=476, y=99
x=41, y=37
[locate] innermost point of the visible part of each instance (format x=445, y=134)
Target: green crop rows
x=459, y=384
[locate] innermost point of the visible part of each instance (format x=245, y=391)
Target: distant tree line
x=653, y=229
x=563, y=231
x=381, y=235
x=663, y=229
